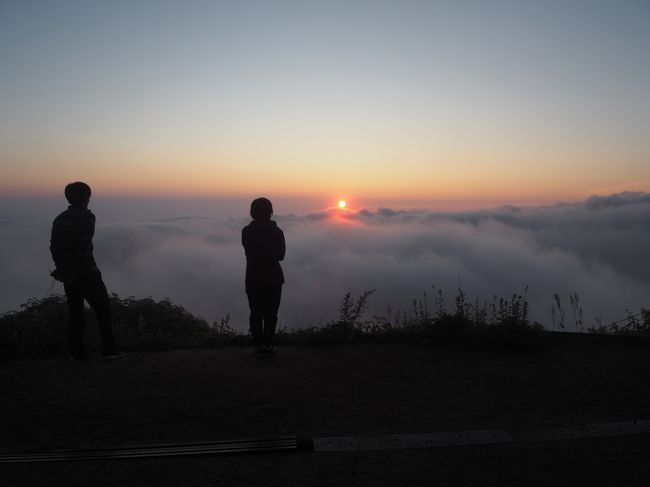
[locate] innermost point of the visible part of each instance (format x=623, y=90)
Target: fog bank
x=596, y=248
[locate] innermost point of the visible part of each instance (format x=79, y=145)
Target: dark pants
x=89, y=287
x=264, y=304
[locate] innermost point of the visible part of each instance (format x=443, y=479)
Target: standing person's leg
x=256, y=305
x=271, y=307
x=76, y=325
x=97, y=296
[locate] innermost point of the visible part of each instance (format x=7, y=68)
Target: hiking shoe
x=114, y=356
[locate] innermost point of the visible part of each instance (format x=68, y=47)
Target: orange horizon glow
x=463, y=199
x=199, y=183
x=419, y=183
x=388, y=172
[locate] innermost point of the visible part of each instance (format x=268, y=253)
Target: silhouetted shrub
x=39, y=327
x=632, y=324
x=472, y=324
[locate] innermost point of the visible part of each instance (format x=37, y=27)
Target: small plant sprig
x=577, y=311
x=351, y=310
x=440, y=304
x=558, y=311
x=513, y=312
x=223, y=328
x=632, y=324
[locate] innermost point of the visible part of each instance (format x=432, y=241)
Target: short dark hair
x=77, y=193
x=261, y=209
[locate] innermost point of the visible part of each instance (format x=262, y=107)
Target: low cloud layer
x=596, y=248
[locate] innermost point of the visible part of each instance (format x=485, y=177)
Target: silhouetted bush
x=633, y=324
x=504, y=324
x=38, y=328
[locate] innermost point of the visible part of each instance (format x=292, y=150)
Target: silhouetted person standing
x=71, y=246
x=264, y=245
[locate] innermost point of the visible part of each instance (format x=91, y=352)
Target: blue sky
x=492, y=101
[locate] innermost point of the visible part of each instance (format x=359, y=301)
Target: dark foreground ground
x=358, y=389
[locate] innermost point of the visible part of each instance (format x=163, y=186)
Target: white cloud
x=597, y=248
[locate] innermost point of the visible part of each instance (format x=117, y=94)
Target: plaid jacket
x=71, y=243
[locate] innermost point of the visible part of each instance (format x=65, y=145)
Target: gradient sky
x=439, y=102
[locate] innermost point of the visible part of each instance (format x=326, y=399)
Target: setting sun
x=342, y=203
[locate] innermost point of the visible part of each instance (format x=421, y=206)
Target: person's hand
x=63, y=275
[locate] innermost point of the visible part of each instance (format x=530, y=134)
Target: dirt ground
x=357, y=389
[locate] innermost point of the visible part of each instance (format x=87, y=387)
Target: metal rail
x=165, y=450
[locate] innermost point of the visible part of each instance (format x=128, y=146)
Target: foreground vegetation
x=39, y=327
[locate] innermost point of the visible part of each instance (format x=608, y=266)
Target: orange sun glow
x=342, y=203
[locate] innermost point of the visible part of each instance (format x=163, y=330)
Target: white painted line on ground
x=598, y=430
x=398, y=442
x=478, y=437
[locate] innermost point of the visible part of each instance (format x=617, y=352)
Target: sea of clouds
x=597, y=248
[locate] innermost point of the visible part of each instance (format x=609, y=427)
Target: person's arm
x=54, y=248
x=84, y=242
x=64, y=242
x=244, y=241
x=281, y=245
